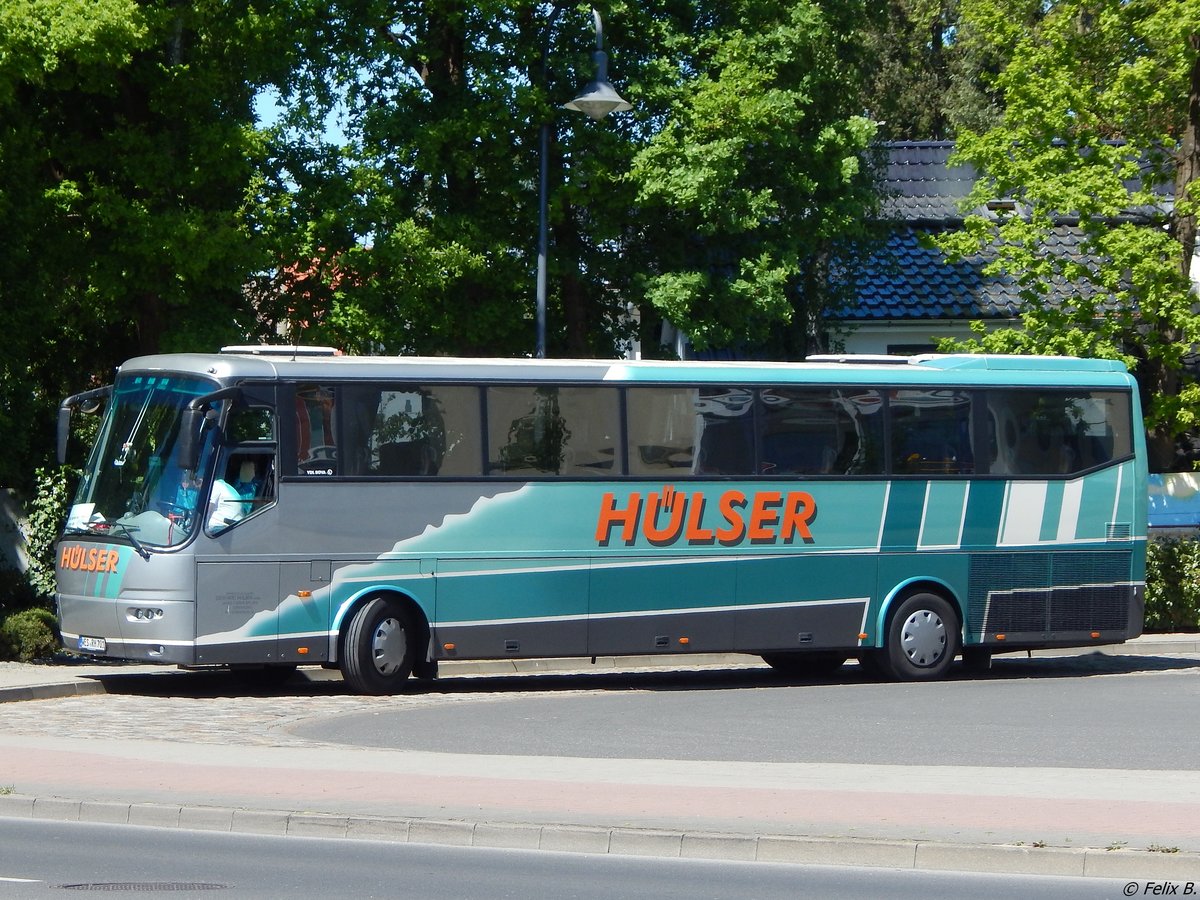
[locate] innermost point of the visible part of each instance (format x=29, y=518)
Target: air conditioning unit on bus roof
x=279, y=350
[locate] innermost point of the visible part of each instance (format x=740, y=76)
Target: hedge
x=1172, y=584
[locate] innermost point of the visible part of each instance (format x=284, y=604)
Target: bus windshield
x=133, y=487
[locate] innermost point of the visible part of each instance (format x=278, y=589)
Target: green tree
x=430, y=247
x=1101, y=108
x=127, y=151
x=430, y=244
x=760, y=175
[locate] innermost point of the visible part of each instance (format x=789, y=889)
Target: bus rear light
x=142, y=614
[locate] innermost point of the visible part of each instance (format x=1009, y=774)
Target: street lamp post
x=597, y=100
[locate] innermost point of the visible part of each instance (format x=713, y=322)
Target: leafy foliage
x=47, y=515
x=28, y=635
x=1099, y=114
x=125, y=159
x=1172, y=584
x=760, y=171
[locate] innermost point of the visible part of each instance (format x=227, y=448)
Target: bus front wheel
x=379, y=649
x=922, y=639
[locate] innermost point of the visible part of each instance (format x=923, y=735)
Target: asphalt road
x=1094, y=752
x=1075, y=713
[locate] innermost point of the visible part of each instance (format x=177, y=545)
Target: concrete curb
x=52, y=691
x=790, y=849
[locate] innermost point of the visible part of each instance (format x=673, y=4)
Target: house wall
x=905, y=337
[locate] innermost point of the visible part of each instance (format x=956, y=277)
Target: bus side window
x=245, y=484
x=724, y=431
x=931, y=432
x=553, y=430
x=807, y=431
x=661, y=433
x=245, y=468
x=316, y=441
x=407, y=436
x=1057, y=432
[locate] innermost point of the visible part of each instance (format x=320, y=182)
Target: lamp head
x=599, y=97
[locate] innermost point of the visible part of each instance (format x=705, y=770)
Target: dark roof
x=921, y=186
x=908, y=280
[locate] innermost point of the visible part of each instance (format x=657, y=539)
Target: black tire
x=922, y=639
x=805, y=665
x=380, y=647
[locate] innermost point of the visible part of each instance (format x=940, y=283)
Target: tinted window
x=931, y=432
x=690, y=431
x=316, y=440
x=815, y=431
x=571, y=431
x=1055, y=432
x=407, y=430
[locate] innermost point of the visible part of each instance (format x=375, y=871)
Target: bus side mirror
x=90, y=402
x=191, y=424
x=190, y=427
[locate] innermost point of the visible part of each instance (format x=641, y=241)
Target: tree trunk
x=1187, y=168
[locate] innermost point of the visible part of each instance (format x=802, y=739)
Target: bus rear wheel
x=380, y=648
x=922, y=639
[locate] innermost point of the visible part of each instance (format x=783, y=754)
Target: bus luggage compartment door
x=237, y=612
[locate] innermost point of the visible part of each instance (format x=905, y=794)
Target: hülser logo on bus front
x=666, y=516
x=88, y=559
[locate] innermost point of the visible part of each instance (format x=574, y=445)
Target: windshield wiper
x=128, y=532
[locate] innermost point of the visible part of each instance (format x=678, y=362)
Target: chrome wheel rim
x=923, y=638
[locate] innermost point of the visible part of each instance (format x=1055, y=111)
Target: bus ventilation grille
x=1049, y=593
x=1117, y=531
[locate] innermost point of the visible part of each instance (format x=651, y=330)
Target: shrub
x=29, y=634
x=1172, y=584
x=47, y=513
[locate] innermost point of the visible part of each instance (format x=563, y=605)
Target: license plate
x=96, y=645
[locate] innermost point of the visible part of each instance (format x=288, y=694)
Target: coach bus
x=265, y=508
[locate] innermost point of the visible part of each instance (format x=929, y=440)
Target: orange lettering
x=696, y=534
x=729, y=503
x=610, y=516
x=88, y=559
x=798, y=514
x=763, y=518
x=677, y=504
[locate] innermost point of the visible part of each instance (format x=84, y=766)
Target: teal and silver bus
x=264, y=508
